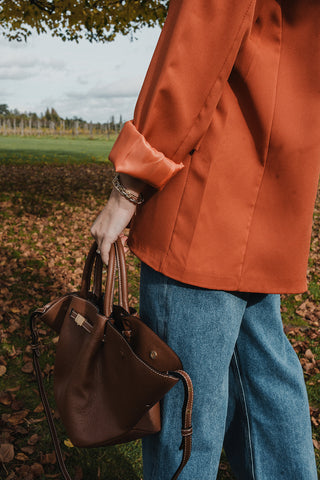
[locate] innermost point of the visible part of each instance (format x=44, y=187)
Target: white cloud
x=82, y=80
x=93, y=81
x=122, y=88
x=19, y=67
x=92, y=108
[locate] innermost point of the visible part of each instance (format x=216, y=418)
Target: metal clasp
x=79, y=319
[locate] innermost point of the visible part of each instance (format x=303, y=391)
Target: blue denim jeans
x=249, y=390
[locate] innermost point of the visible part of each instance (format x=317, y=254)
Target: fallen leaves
x=310, y=311
x=315, y=416
x=45, y=236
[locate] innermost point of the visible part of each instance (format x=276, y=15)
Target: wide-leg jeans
x=249, y=390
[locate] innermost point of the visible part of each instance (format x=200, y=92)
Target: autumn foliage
x=95, y=20
x=46, y=213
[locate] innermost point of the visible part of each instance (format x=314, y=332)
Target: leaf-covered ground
x=46, y=213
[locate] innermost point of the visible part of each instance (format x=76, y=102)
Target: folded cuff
x=132, y=154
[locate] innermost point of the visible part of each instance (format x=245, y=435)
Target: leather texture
x=110, y=369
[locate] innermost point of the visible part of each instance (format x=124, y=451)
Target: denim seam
x=166, y=310
x=246, y=413
x=163, y=334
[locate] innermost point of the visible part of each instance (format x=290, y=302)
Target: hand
x=114, y=217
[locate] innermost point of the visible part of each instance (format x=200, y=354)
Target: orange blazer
x=226, y=133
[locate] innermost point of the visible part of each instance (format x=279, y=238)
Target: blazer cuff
x=132, y=154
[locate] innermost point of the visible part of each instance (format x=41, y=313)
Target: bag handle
x=97, y=277
x=117, y=261
x=93, y=258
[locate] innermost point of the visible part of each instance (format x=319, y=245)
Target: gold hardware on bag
x=153, y=354
x=79, y=319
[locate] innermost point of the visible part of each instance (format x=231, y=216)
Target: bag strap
x=45, y=402
x=117, y=261
x=186, y=430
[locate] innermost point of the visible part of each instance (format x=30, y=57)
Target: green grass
x=57, y=150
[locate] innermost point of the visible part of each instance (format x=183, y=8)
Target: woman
x=225, y=149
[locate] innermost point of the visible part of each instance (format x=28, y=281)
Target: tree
x=51, y=115
x=4, y=110
x=95, y=20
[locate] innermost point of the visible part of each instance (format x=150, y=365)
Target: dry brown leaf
x=27, y=367
x=14, y=389
x=14, y=325
x=20, y=429
x=309, y=355
x=308, y=367
x=33, y=439
x=37, y=469
x=24, y=472
x=316, y=444
x=39, y=408
x=6, y=452
x=3, y=370
x=18, y=417
x=11, y=476
x=5, y=398
x=28, y=450
x=21, y=456
x=17, y=405
x=3, y=361
x=48, y=458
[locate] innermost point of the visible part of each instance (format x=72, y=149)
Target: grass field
x=50, y=192
x=55, y=150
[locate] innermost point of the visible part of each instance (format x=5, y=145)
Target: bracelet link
x=136, y=199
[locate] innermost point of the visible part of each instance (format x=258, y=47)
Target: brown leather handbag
x=110, y=369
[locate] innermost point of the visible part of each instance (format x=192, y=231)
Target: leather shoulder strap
x=186, y=430
x=43, y=396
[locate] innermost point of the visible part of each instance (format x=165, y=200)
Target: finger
x=124, y=239
x=104, y=249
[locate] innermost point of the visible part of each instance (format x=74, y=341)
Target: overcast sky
x=93, y=81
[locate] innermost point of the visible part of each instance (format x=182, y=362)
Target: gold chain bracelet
x=136, y=199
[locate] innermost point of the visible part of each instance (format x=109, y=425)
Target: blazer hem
x=252, y=284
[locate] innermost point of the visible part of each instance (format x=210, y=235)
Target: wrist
x=129, y=194
x=132, y=184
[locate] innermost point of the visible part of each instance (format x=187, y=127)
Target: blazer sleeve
x=191, y=63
